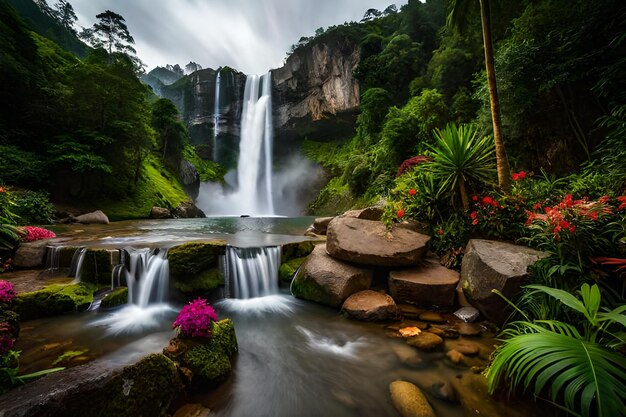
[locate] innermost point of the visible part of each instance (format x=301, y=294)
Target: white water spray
x=252, y=272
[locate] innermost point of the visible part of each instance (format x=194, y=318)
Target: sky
x=251, y=36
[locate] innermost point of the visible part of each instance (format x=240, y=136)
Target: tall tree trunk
x=502, y=163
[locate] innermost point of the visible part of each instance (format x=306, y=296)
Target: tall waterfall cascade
x=216, y=115
x=250, y=190
x=251, y=272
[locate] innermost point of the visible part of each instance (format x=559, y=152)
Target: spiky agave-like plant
x=577, y=368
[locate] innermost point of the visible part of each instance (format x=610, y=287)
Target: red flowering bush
x=500, y=218
x=37, y=233
x=195, y=319
x=518, y=176
x=411, y=162
x=7, y=292
x=578, y=230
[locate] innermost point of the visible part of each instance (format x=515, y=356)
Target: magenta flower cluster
x=195, y=319
x=36, y=233
x=6, y=344
x=7, y=292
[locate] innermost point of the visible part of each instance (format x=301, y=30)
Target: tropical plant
x=577, y=367
x=9, y=371
x=460, y=158
x=457, y=18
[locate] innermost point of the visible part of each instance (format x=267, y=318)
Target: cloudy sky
x=249, y=35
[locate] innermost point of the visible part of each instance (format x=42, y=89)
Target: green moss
x=307, y=289
x=96, y=268
x=144, y=389
x=156, y=187
x=208, y=170
x=289, y=268
x=54, y=299
x=115, y=298
x=296, y=250
x=68, y=356
x=209, y=360
x=204, y=281
x=333, y=199
x=189, y=261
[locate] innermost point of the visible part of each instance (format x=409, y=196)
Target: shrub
x=33, y=207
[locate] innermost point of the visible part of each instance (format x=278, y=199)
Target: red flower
x=572, y=229
x=474, y=198
x=473, y=214
x=487, y=200
x=557, y=229
x=522, y=175
x=412, y=191
x=2, y=189
x=515, y=176
x=440, y=231
x=475, y=222
x=622, y=200
x=592, y=215
x=537, y=206
x=400, y=213
x=564, y=224
x=604, y=199
x=568, y=200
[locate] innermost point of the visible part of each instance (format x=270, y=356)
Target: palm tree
x=457, y=18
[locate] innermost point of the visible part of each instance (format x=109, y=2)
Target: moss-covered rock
x=53, y=300
x=296, y=250
x=308, y=289
x=204, y=281
x=96, y=268
x=207, y=359
x=194, y=266
x=288, y=269
x=115, y=298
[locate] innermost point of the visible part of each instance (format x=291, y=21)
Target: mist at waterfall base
x=293, y=186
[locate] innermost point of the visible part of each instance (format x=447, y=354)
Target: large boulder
x=95, y=217
x=370, y=243
x=30, y=254
x=329, y=281
x=103, y=388
x=160, y=213
x=188, y=210
x=409, y=400
x=428, y=285
x=369, y=213
x=489, y=265
x=320, y=225
x=370, y=305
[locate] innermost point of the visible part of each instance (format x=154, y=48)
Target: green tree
x=458, y=18
x=110, y=33
x=65, y=15
x=170, y=132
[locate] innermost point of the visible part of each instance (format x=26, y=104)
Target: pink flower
x=7, y=292
x=36, y=233
x=195, y=319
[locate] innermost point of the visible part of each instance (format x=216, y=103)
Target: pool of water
x=236, y=231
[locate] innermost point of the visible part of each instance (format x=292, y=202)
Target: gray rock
x=320, y=225
x=467, y=314
x=370, y=305
x=409, y=400
x=31, y=254
x=407, y=355
x=368, y=242
x=328, y=281
x=489, y=265
x=369, y=213
x=145, y=388
x=428, y=285
x=95, y=217
x=160, y=213
x=188, y=211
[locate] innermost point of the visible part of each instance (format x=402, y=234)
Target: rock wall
x=316, y=84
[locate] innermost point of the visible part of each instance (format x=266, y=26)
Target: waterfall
x=146, y=274
x=77, y=264
x=251, y=192
x=252, y=272
x=255, y=147
x=216, y=115
x=53, y=258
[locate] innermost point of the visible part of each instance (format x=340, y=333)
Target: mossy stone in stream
x=204, y=281
x=193, y=266
x=289, y=268
x=96, y=267
x=115, y=298
x=296, y=250
x=53, y=300
x=207, y=358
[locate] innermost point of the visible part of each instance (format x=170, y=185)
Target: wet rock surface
x=409, y=400
x=370, y=305
x=428, y=285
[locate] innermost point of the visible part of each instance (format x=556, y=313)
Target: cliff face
x=315, y=84
x=194, y=95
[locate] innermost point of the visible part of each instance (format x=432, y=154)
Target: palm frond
x=550, y=355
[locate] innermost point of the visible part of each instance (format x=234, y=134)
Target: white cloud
x=251, y=36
